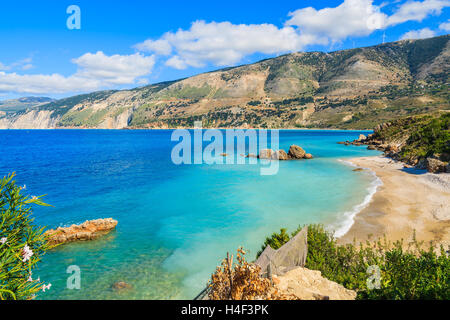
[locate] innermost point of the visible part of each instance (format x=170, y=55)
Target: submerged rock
x=88, y=230
x=121, y=285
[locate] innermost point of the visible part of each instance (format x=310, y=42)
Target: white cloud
x=418, y=34
x=177, y=63
x=115, y=69
x=161, y=47
x=417, y=10
x=445, y=26
x=225, y=43
x=351, y=18
x=24, y=64
x=95, y=71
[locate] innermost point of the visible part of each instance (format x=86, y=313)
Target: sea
x=176, y=222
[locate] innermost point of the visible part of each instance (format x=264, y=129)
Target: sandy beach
x=408, y=200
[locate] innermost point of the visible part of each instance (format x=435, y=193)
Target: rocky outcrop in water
x=295, y=153
x=88, y=230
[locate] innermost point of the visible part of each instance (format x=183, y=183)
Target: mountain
x=20, y=104
x=356, y=89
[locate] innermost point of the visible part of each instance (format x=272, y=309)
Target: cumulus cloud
x=115, y=69
x=417, y=11
x=418, y=34
x=445, y=26
x=95, y=71
x=351, y=18
x=160, y=46
x=224, y=43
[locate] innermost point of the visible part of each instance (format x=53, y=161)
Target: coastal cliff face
x=356, y=88
x=33, y=119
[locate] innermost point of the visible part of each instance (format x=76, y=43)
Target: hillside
x=20, y=104
x=356, y=89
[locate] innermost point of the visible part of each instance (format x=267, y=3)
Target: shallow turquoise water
x=175, y=222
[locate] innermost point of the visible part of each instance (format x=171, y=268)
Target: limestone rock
x=267, y=154
x=308, y=156
x=361, y=138
x=435, y=165
x=88, y=230
x=296, y=152
x=282, y=155
x=310, y=285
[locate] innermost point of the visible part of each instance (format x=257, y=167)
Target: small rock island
x=88, y=230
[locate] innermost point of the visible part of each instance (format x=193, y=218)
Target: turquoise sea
x=176, y=222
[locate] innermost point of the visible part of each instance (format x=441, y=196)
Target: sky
x=61, y=48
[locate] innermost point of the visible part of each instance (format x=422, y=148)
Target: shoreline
x=408, y=200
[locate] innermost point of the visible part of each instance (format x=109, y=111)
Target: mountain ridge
x=354, y=88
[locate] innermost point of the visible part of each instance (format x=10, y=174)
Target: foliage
x=22, y=244
x=411, y=273
x=241, y=282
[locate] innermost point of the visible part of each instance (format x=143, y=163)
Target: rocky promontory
x=422, y=142
x=88, y=230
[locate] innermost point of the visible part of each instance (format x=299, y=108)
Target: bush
x=21, y=243
x=412, y=273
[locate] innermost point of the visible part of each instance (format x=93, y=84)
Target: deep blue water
x=175, y=222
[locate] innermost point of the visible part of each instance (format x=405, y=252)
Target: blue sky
x=124, y=44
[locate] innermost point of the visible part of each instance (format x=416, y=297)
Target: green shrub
x=21, y=243
x=413, y=273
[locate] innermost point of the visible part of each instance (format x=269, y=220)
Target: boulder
x=296, y=152
x=267, y=154
x=361, y=138
x=371, y=147
x=435, y=165
x=88, y=230
x=251, y=155
x=308, y=156
x=282, y=155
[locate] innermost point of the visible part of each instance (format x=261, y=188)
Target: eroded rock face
x=296, y=152
x=310, y=285
x=88, y=230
